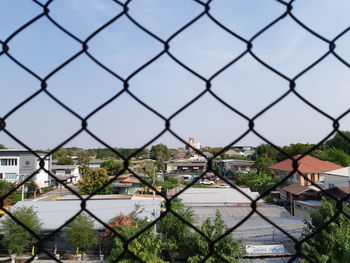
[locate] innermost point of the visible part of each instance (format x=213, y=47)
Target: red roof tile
x=307, y=164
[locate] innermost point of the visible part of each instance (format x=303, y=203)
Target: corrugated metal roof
x=217, y=196
x=53, y=213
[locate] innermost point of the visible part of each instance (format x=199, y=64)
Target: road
x=56, y=193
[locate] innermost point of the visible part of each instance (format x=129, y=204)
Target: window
x=331, y=185
x=9, y=162
x=67, y=171
x=10, y=176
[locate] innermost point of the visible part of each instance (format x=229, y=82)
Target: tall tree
x=334, y=155
x=16, y=238
x=227, y=247
x=81, y=233
x=339, y=142
x=160, y=152
x=332, y=244
x=65, y=160
x=177, y=238
x=112, y=167
x=146, y=246
x=93, y=180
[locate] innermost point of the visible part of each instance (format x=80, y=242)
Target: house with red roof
x=307, y=167
x=300, y=188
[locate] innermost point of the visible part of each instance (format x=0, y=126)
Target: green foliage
x=334, y=155
x=339, y=142
x=169, y=183
x=262, y=182
x=227, y=247
x=94, y=179
x=176, y=236
x=146, y=247
x=262, y=164
x=5, y=187
x=2, y=146
x=65, y=160
x=160, y=152
x=48, y=189
x=113, y=167
x=81, y=233
x=332, y=244
x=256, y=181
x=16, y=238
x=294, y=149
x=32, y=188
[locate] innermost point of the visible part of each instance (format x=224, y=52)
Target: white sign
x=265, y=249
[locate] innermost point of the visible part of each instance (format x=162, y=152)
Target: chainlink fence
x=207, y=83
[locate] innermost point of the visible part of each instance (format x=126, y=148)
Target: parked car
x=206, y=181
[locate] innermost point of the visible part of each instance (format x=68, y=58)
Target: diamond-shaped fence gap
x=325, y=86
x=40, y=52
x=15, y=16
x=114, y=127
x=292, y=117
x=27, y=122
x=18, y=85
x=123, y=47
x=292, y=50
x=153, y=86
x=163, y=18
x=197, y=47
x=333, y=16
x=237, y=88
x=246, y=17
x=212, y=116
x=82, y=19
x=83, y=86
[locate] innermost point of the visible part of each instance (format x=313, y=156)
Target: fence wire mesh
x=207, y=83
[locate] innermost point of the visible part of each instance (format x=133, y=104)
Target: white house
x=338, y=177
x=17, y=164
x=67, y=173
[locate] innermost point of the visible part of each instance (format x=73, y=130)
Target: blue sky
x=166, y=86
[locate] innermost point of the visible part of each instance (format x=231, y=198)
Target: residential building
x=308, y=166
x=296, y=192
x=18, y=164
x=181, y=167
x=69, y=174
x=338, y=177
x=232, y=166
x=95, y=163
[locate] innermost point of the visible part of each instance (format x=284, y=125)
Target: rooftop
x=307, y=164
x=217, y=196
x=53, y=214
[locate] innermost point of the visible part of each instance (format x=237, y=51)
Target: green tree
x=262, y=164
x=227, y=247
x=332, y=244
x=146, y=246
x=83, y=157
x=65, y=160
x=16, y=238
x=93, y=180
x=262, y=182
x=113, y=167
x=2, y=146
x=339, y=142
x=177, y=238
x=160, y=152
x=333, y=155
x=5, y=187
x=81, y=233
